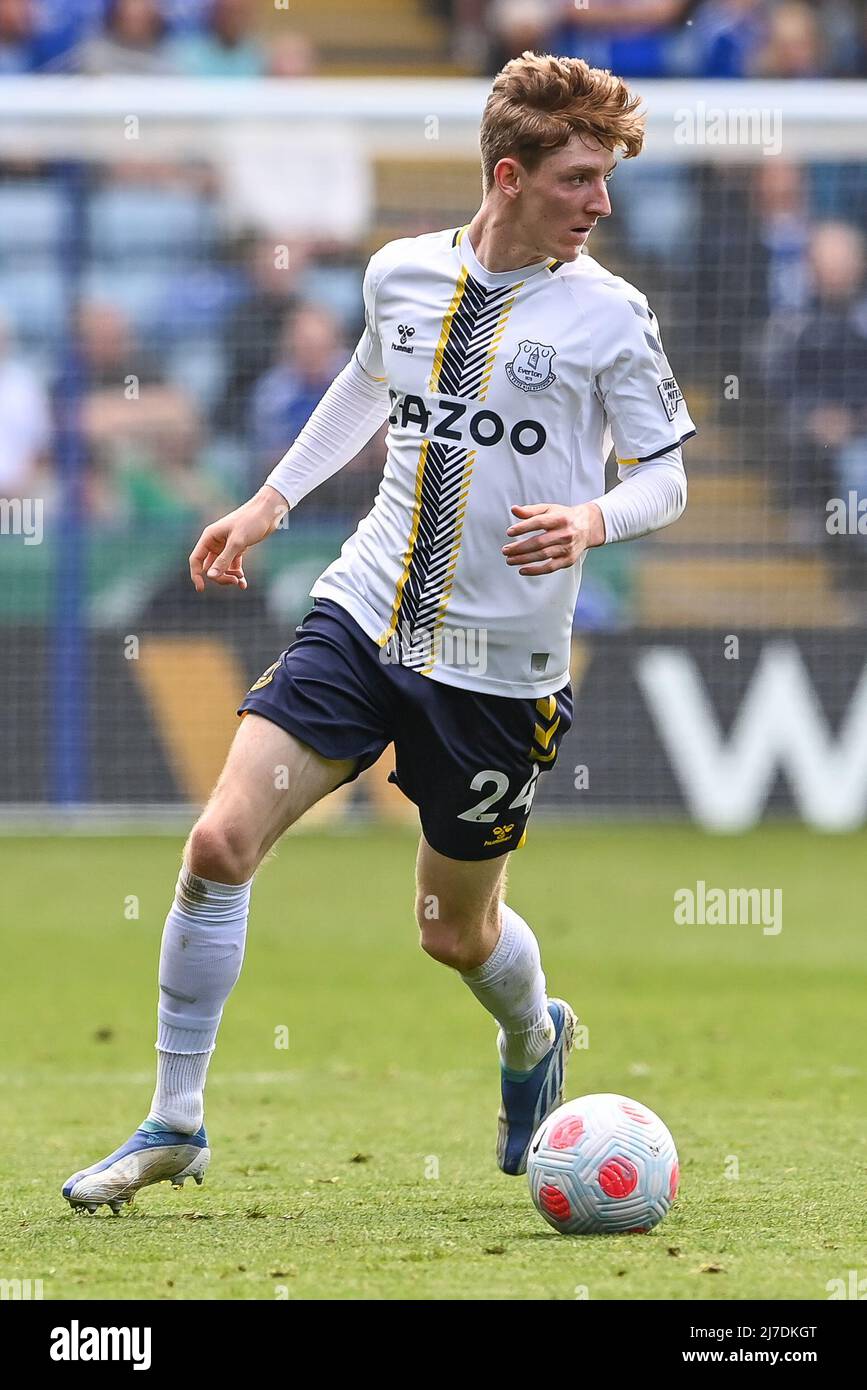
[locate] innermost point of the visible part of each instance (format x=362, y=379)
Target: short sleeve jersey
x=504, y=388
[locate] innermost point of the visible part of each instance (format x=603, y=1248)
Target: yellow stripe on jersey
x=472, y=325
x=410, y=546
x=448, y=579
x=495, y=343
x=448, y=320
x=449, y=576
x=546, y=706
x=447, y=328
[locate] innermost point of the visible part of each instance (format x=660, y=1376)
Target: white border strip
x=821, y=118
x=387, y=100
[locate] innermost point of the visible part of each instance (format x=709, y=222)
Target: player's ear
x=507, y=175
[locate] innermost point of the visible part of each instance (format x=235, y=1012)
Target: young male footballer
x=506, y=361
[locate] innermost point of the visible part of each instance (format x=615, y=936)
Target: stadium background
x=188, y=195
x=182, y=239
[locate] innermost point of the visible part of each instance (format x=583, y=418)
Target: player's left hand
x=562, y=536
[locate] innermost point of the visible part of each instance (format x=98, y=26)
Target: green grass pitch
x=358, y=1162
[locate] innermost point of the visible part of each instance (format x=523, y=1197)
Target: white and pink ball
x=602, y=1164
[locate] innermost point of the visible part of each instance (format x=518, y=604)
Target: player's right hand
x=219, y=555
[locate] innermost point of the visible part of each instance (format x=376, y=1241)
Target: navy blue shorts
x=469, y=761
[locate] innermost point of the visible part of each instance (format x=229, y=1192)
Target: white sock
x=200, y=961
x=511, y=986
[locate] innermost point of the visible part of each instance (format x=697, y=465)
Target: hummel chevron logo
x=405, y=331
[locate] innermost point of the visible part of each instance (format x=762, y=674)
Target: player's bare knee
x=453, y=944
x=220, y=851
x=439, y=941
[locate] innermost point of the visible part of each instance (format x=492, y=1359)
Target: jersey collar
x=499, y=277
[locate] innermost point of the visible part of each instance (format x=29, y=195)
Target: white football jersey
x=505, y=388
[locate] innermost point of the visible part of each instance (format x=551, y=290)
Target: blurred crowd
x=759, y=274
x=198, y=356
x=147, y=38
x=636, y=38
x=668, y=38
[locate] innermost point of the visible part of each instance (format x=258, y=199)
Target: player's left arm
x=649, y=496
x=648, y=419
x=559, y=535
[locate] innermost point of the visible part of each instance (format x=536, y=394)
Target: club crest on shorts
x=266, y=677
x=530, y=368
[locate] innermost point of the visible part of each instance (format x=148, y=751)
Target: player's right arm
x=349, y=414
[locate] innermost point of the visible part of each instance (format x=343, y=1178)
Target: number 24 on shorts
x=480, y=812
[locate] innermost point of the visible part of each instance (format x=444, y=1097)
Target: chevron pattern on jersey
x=468, y=330
x=471, y=333
x=444, y=491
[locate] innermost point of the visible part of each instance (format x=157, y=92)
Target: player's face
x=563, y=198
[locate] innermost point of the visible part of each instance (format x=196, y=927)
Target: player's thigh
x=471, y=762
x=270, y=778
x=459, y=892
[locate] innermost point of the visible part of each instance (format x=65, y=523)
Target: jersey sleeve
x=369, y=349
x=644, y=406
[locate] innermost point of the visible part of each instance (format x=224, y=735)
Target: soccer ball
x=602, y=1164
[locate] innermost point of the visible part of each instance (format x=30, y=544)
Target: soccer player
x=506, y=361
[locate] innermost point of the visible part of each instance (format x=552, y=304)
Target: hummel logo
x=405, y=332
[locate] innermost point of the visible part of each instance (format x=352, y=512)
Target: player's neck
x=497, y=246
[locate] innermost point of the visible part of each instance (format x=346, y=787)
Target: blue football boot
x=150, y=1155
x=528, y=1097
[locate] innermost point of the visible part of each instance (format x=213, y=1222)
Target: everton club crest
x=530, y=368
